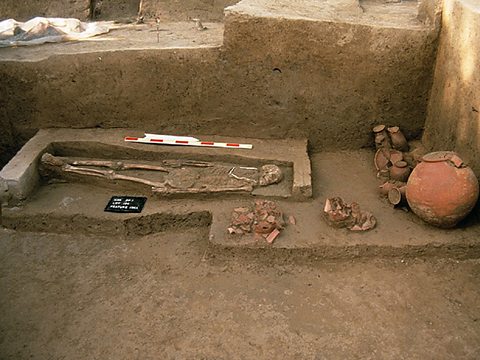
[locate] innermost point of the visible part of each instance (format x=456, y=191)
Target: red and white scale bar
x=172, y=141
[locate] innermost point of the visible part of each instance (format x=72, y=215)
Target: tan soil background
x=211, y=10
x=165, y=297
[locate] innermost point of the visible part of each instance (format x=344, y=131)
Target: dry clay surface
x=388, y=13
x=166, y=297
x=115, y=9
x=126, y=37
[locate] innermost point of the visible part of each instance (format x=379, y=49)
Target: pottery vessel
x=381, y=159
x=386, y=187
x=395, y=156
x=396, y=195
x=442, y=190
x=400, y=171
x=397, y=138
x=381, y=137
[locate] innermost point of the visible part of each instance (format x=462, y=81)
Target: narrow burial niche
x=109, y=158
x=164, y=174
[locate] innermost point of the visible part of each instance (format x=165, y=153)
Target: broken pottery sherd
x=381, y=159
x=272, y=236
x=340, y=214
x=395, y=156
x=263, y=219
x=264, y=227
x=386, y=187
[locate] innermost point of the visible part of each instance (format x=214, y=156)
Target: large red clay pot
x=442, y=190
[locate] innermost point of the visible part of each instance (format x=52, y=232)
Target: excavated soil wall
x=453, y=121
x=8, y=145
x=223, y=91
x=161, y=91
x=207, y=10
x=330, y=81
x=25, y=9
x=274, y=77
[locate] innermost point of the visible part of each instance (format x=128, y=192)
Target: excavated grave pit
x=78, y=207
x=209, y=166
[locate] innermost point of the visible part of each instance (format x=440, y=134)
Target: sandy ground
x=165, y=297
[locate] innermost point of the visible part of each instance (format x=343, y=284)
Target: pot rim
x=439, y=156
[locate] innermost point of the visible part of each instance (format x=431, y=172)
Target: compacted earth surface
x=176, y=294
x=167, y=296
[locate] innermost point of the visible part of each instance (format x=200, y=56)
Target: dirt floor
x=165, y=297
x=126, y=37
x=176, y=295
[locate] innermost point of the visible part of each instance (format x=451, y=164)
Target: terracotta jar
x=400, y=171
x=381, y=137
x=442, y=190
x=386, y=187
x=399, y=141
x=396, y=195
x=382, y=159
x=395, y=156
x=385, y=157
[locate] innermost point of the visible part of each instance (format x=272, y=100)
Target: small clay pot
x=400, y=171
x=442, y=190
x=382, y=159
x=397, y=195
x=381, y=137
x=386, y=187
x=397, y=138
x=395, y=156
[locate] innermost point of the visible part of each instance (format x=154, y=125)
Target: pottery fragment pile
x=394, y=160
x=340, y=214
x=265, y=219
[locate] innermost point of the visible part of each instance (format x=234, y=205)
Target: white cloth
x=41, y=30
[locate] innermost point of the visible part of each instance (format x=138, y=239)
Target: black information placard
x=126, y=204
